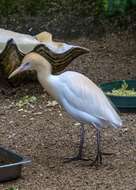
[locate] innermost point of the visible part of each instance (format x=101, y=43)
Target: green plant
x=26, y=100
x=111, y=7
x=12, y=188
x=123, y=91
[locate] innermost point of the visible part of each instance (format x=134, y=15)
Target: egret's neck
x=44, y=69
x=44, y=74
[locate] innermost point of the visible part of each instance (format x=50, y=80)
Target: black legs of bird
x=98, y=159
x=82, y=134
x=80, y=151
x=79, y=156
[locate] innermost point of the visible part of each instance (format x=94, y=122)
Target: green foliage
x=12, y=188
x=111, y=7
x=132, y=2
x=123, y=91
x=76, y=7
x=26, y=100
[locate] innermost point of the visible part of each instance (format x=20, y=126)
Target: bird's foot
x=75, y=158
x=98, y=159
x=107, y=153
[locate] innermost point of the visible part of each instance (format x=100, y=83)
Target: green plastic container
x=123, y=103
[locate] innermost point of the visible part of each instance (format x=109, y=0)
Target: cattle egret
x=79, y=96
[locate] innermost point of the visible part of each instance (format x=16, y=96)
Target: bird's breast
x=50, y=85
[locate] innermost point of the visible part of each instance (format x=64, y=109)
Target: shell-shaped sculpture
x=14, y=46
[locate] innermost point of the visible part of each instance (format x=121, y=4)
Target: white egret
x=79, y=96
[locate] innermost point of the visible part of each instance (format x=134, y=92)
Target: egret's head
x=31, y=61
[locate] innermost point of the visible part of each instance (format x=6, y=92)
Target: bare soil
x=47, y=134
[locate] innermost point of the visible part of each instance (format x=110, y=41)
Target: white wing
x=83, y=95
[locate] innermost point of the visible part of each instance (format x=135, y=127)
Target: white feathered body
x=81, y=98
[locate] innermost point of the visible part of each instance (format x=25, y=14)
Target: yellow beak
x=21, y=68
x=15, y=72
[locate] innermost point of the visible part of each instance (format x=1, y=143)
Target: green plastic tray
x=123, y=103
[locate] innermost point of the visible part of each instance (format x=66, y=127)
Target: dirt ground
x=47, y=134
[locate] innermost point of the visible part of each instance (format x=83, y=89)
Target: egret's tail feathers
x=117, y=125
x=114, y=117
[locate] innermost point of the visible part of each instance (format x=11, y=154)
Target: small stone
x=77, y=124
x=125, y=130
x=30, y=29
x=38, y=113
x=41, y=175
x=11, y=136
x=11, y=122
x=32, y=106
x=51, y=103
x=49, y=109
x=21, y=109
x=26, y=111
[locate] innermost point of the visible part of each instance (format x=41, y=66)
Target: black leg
x=82, y=134
x=79, y=156
x=98, y=159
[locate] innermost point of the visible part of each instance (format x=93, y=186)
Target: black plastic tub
x=11, y=164
x=123, y=103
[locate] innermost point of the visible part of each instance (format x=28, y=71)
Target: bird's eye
x=27, y=64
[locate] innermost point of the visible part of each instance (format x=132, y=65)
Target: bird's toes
x=75, y=158
x=108, y=153
x=70, y=159
x=95, y=163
